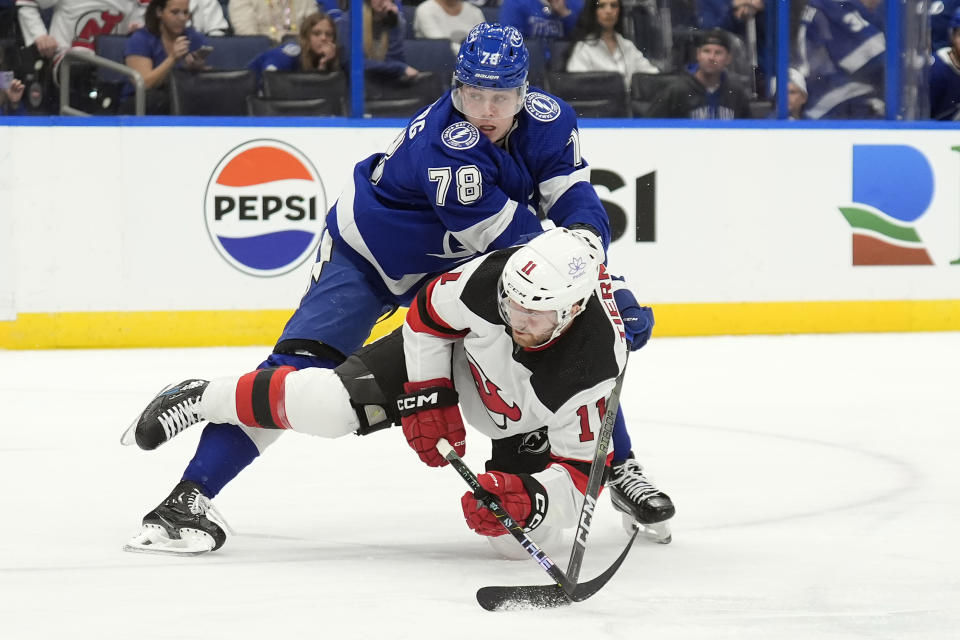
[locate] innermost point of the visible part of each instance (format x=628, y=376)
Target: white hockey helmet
x=547, y=283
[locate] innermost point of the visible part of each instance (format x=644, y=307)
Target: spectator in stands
x=941, y=12
x=316, y=51
x=383, y=31
x=11, y=99
x=76, y=23
x=598, y=43
x=730, y=15
x=450, y=19
x=705, y=92
x=945, y=76
x=796, y=95
x=274, y=18
x=841, y=47
x=544, y=19
x=155, y=50
x=206, y=16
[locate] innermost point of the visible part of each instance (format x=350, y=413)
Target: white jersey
x=76, y=23
x=454, y=329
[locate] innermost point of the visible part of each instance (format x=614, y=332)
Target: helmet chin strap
x=502, y=140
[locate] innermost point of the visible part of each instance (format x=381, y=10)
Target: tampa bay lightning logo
x=460, y=135
x=542, y=107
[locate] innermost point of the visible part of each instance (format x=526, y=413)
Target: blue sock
x=621, y=439
x=223, y=452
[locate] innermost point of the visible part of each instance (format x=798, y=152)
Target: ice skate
x=180, y=525
x=641, y=503
x=169, y=413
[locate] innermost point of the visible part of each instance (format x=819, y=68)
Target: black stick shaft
x=594, y=481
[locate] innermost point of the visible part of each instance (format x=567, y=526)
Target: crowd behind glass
x=702, y=59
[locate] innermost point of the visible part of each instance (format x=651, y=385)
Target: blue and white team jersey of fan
x=443, y=193
x=841, y=49
x=286, y=57
x=535, y=19
x=944, y=87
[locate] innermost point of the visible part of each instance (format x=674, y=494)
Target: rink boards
x=201, y=235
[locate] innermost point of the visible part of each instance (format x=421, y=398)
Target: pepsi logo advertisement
x=264, y=208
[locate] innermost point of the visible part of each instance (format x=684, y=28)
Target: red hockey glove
x=523, y=497
x=428, y=412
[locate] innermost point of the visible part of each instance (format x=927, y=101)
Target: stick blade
x=522, y=597
x=548, y=596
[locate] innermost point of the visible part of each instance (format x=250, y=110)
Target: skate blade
x=658, y=532
x=129, y=436
x=154, y=540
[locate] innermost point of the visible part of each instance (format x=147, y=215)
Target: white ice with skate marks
x=814, y=478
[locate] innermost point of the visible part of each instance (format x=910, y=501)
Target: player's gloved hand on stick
x=522, y=496
x=637, y=320
x=428, y=412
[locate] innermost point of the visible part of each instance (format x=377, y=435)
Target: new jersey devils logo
x=496, y=406
x=95, y=23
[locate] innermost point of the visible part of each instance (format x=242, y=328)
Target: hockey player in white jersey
x=468, y=175
x=535, y=340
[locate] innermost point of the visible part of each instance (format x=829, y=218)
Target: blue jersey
x=944, y=87
x=443, y=193
x=143, y=43
x=841, y=49
x=534, y=19
x=286, y=57
x=940, y=13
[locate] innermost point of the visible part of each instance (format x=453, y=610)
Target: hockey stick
x=595, y=480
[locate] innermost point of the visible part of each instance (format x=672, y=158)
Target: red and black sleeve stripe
x=260, y=401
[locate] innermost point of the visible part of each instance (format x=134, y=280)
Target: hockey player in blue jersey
x=468, y=175
x=841, y=50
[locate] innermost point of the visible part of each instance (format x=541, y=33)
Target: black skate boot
x=639, y=500
x=180, y=525
x=172, y=411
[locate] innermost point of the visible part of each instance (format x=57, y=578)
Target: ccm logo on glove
x=428, y=412
x=410, y=403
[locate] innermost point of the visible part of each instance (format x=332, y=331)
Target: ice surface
x=815, y=479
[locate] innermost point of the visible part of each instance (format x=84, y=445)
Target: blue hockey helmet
x=955, y=20
x=492, y=57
